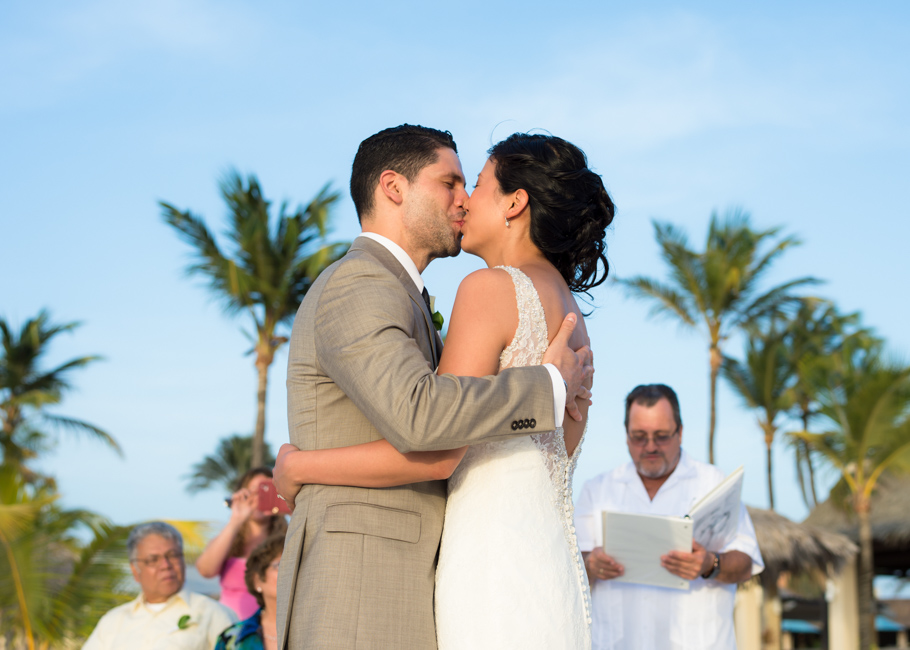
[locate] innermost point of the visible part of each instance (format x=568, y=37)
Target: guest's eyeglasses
x=640, y=439
x=171, y=558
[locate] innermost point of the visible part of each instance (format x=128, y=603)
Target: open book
x=637, y=541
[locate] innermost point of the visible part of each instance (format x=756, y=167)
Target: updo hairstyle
x=570, y=208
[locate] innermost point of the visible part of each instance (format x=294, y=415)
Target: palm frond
x=666, y=301
x=80, y=426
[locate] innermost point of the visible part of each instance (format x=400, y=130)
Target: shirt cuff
x=559, y=394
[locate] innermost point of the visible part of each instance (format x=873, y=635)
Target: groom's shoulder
x=360, y=264
x=359, y=277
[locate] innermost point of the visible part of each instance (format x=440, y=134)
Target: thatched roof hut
x=798, y=548
x=890, y=517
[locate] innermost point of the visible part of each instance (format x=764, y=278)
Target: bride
x=509, y=571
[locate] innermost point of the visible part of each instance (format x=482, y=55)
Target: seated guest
x=225, y=556
x=661, y=479
x=164, y=615
x=259, y=631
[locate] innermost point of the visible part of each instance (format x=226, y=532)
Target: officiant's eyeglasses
x=640, y=439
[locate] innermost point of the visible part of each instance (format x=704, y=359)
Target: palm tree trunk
x=768, y=440
x=809, y=465
x=866, y=573
x=716, y=360
x=20, y=592
x=262, y=368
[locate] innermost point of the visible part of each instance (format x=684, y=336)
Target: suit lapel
x=384, y=257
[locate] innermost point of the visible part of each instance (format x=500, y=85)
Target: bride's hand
x=282, y=475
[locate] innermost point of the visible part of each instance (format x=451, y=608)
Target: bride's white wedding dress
x=510, y=574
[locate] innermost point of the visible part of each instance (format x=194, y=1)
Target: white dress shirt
x=640, y=617
x=139, y=625
x=559, y=387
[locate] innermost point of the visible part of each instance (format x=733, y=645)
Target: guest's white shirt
x=139, y=625
x=559, y=387
x=638, y=617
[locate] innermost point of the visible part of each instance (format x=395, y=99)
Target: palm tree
x=814, y=335
x=54, y=587
x=866, y=407
x=763, y=381
x=718, y=289
x=232, y=458
x=26, y=390
x=268, y=270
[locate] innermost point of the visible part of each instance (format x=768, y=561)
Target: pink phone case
x=268, y=501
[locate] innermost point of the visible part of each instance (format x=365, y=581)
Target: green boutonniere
x=438, y=320
x=183, y=622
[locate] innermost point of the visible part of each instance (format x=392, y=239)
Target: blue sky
x=797, y=114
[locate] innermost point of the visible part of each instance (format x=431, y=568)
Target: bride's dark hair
x=570, y=208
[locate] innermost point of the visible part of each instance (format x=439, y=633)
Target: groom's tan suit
x=358, y=567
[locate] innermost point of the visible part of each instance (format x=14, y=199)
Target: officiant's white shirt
x=638, y=617
x=559, y=388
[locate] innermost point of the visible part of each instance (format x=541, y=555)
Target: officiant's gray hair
x=142, y=531
x=648, y=395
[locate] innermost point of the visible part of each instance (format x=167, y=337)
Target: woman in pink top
x=226, y=554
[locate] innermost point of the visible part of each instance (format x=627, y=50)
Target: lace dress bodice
x=513, y=499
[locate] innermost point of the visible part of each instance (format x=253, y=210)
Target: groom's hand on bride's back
x=575, y=366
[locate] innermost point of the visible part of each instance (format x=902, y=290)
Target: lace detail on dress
x=527, y=349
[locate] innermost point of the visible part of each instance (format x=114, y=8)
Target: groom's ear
x=393, y=185
x=518, y=203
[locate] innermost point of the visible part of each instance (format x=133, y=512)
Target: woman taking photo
x=226, y=554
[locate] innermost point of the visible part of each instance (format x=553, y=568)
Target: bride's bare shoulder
x=487, y=297
x=485, y=285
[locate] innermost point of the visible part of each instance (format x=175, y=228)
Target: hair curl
x=258, y=563
x=570, y=208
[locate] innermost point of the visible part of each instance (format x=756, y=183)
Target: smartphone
x=268, y=501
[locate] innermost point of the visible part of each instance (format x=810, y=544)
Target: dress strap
x=530, y=340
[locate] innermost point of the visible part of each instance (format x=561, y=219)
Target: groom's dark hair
x=405, y=149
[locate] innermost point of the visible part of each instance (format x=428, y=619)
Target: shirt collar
x=403, y=258
x=183, y=595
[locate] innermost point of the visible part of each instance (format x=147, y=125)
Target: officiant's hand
x=575, y=366
x=601, y=566
x=688, y=566
x=281, y=475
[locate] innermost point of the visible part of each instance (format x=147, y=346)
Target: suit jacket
x=358, y=568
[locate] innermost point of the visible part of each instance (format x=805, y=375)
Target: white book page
x=716, y=515
x=638, y=541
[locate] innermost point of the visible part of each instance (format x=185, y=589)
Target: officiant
x=661, y=479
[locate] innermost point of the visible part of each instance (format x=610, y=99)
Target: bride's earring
x=508, y=225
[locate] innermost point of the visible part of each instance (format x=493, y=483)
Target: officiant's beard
x=664, y=469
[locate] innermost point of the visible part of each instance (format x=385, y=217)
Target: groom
x=359, y=564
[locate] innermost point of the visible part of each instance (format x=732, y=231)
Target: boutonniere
x=184, y=622
x=438, y=320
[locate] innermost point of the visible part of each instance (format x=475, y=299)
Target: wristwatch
x=714, y=570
